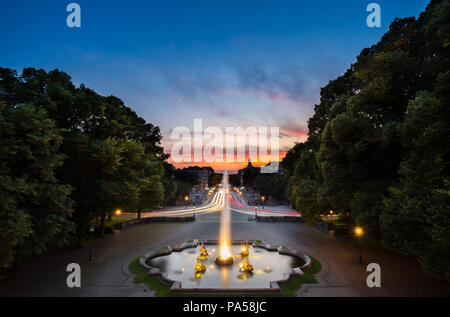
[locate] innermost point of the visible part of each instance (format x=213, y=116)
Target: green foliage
x=416, y=215
x=69, y=155
x=291, y=287
x=153, y=283
x=35, y=208
x=183, y=183
x=271, y=185
x=169, y=184
x=377, y=151
x=183, y=188
x=128, y=177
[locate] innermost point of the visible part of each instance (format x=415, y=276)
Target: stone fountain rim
x=176, y=286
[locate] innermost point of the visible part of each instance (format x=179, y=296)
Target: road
x=108, y=275
x=215, y=204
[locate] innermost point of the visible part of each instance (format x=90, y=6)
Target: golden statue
x=203, y=251
x=200, y=267
x=245, y=266
x=199, y=274
x=244, y=250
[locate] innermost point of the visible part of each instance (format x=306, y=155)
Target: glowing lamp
x=359, y=231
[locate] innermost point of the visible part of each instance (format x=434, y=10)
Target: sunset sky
x=230, y=63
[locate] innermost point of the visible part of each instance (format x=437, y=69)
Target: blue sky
x=231, y=63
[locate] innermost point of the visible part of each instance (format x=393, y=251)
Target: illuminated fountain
x=225, y=257
x=252, y=265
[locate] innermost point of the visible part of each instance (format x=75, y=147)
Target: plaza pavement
x=108, y=275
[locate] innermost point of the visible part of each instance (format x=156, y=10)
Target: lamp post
x=359, y=232
x=194, y=211
x=263, y=198
x=331, y=215
x=91, y=231
x=256, y=211
x=186, y=199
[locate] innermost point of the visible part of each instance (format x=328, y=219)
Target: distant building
x=203, y=173
x=248, y=173
x=197, y=195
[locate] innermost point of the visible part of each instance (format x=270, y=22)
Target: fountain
x=225, y=258
x=253, y=266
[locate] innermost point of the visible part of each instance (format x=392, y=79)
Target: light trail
x=216, y=203
x=261, y=212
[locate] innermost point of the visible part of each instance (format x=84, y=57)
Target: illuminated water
x=268, y=266
x=225, y=236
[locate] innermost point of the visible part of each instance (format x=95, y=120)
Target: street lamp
x=331, y=214
x=263, y=198
x=91, y=231
x=194, y=211
x=118, y=212
x=186, y=199
x=359, y=232
x=256, y=211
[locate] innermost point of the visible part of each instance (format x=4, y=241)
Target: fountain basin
x=273, y=265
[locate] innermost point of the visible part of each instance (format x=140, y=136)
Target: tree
x=271, y=185
x=35, y=208
x=416, y=214
x=86, y=121
x=168, y=182
x=129, y=178
x=377, y=147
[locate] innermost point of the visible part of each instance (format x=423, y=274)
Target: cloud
x=194, y=83
x=282, y=84
x=294, y=129
x=288, y=83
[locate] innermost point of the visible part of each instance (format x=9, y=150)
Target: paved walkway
x=108, y=275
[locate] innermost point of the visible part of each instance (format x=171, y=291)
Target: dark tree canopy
x=378, y=149
x=68, y=155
